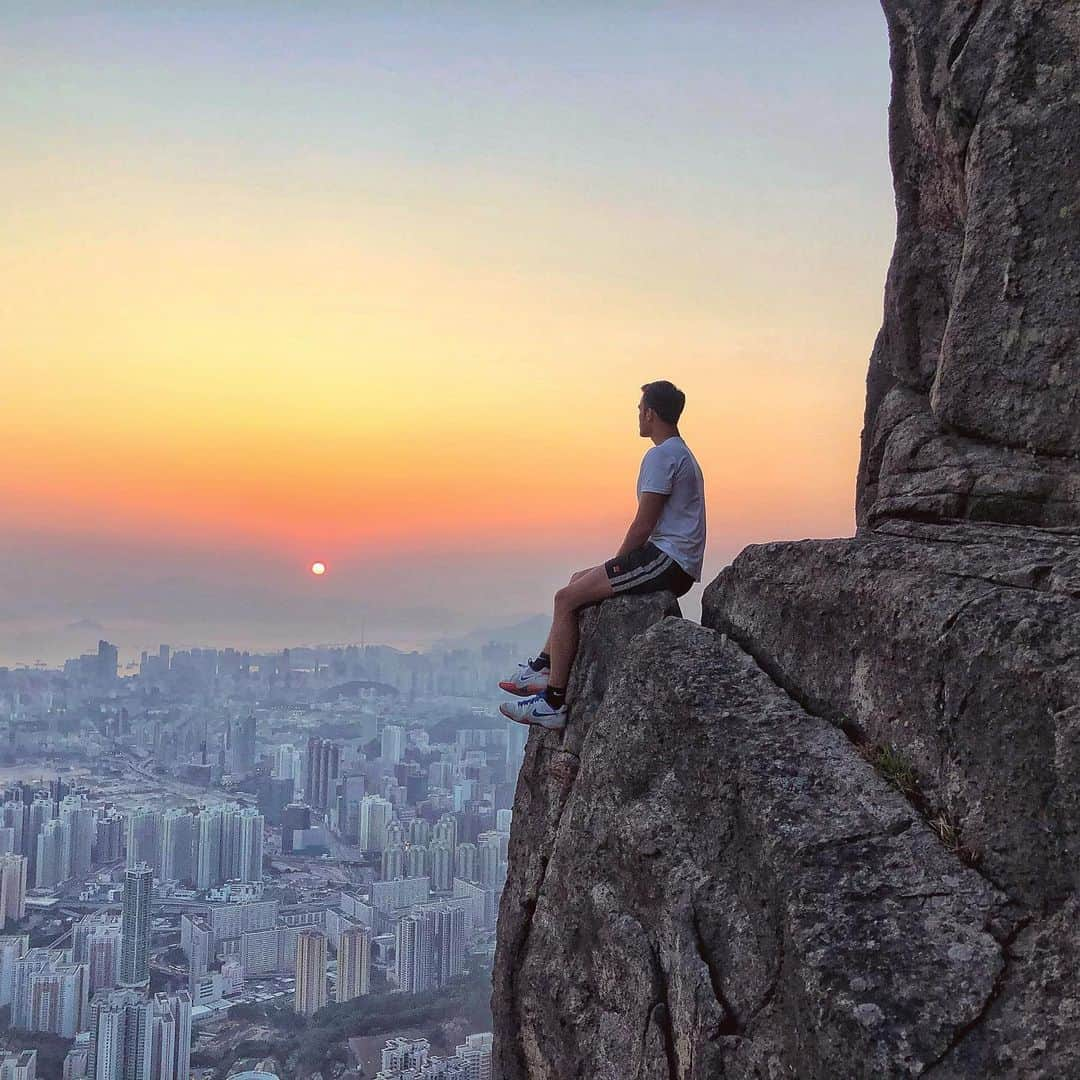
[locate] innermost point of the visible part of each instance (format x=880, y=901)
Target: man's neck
x=663, y=436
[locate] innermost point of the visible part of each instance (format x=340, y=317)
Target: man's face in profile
x=644, y=419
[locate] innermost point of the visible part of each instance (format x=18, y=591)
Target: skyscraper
x=144, y=838
x=50, y=993
x=289, y=764
x=97, y=941
x=375, y=814
x=446, y=829
x=40, y=811
x=208, y=870
x=442, y=867
x=109, y=841
x=430, y=946
x=171, y=1041
x=393, y=862
x=12, y=947
x=240, y=744
x=416, y=861
x=135, y=927
x=488, y=861
x=251, y=845
x=393, y=743
x=354, y=963
x=322, y=768
x=310, y=972
x=465, y=862
x=12, y=888
x=80, y=830
x=107, y=662
x=176, y=846
x=121, y=1036
x=50, y=849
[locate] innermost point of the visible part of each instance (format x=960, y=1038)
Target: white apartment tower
x=354, y=963
x=310, y=972
x=135, y=927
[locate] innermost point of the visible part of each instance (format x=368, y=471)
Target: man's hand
x=650, y=507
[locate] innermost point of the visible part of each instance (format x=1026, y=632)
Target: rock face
x=707, y=876
x=974, y=386
x=960, y=646
x=730, y=890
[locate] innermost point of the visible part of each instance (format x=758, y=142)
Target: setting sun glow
x=318, y=568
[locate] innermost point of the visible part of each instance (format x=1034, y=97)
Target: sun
x=318, y=568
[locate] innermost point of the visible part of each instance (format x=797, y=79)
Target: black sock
x=542, y=661
x=555, y=696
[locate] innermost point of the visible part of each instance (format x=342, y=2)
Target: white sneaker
x=535, y=710
x=526, y=681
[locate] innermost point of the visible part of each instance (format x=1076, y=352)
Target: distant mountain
x=526, y=634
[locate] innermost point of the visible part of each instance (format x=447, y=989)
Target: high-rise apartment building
x=50, y=850
x=18, y=1065
x=97, y=941
x=441, y=859
x=12, y=888
x=289, y=764
x=393, y=862
x=430, y=946
x=39, y=811
x=177, y=843
x=375, y=815
x=121, y=1036
x=135, y=927
x=250, y=867
x=240, y=744
x=133, y=1037
x=416, y=861
x=321, y=771
x=50, y=993
x=353, y=963
x=110, y=829
x=393, y=743
x=446, y=830
x=310, y=972
x=465, y=862
x=197, y=942
x=209, y=847
x=12, y=947
x=144, y=839
x=475, y=1052
x=489, y=864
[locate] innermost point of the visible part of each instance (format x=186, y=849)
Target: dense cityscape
x=215, y=863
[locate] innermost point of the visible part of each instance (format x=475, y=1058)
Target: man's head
x=659, y=410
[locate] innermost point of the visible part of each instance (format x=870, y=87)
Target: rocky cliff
x=974, y=386
x=834, y=832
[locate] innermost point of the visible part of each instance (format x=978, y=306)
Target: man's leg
x=587, y=587
x=546, y=650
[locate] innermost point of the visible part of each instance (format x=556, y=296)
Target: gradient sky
x=378, y=284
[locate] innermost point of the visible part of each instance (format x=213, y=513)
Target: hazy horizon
x=379, y=288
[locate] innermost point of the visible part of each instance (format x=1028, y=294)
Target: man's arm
x=650, y=507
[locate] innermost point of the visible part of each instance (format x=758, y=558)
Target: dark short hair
x=665, y=399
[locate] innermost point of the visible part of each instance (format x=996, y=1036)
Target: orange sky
x=336, y=340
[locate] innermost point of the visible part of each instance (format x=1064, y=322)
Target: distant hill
x=526, y=635
x=355, y=688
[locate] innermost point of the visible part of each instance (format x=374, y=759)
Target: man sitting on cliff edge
x=663, y=549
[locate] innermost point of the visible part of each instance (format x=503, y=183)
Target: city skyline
x=334, y=287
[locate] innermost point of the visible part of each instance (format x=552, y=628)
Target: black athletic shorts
x=645, y=570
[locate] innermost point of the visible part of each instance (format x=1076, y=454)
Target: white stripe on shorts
x=643, y=573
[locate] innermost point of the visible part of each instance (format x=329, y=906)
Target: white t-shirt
x=670, y=469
